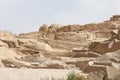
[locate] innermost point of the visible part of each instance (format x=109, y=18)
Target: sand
x=33, y=74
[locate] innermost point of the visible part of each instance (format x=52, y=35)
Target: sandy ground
x=33, y=74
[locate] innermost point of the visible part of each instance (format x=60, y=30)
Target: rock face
x=103, y=47
x=115, y=18
x=117, y=77
x=96, y=75
x=54, y=64
x=89, y=48
x=81, y=36
x=69, y=28
x=6, y=34
x=6, y=53
x=3, y=44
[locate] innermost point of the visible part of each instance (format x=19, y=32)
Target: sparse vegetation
x=74, y=76
x=71, y=76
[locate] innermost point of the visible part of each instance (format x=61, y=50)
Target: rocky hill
x=90, y=48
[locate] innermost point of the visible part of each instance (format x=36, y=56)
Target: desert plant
x=74, y=76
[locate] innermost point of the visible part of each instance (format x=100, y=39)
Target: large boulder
x=43, y=31
x=44, y=27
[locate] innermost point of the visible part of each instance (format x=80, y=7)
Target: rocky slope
x=89, y=48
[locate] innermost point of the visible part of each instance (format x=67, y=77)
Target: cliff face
x=65, y=47
x=55, y=31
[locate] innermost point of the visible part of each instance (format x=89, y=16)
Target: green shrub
x=74, y=76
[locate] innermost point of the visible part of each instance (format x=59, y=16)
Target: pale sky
x=27, y=15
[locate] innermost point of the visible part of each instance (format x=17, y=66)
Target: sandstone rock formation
x=89, y=48
x=96, y=75
x=6, y=34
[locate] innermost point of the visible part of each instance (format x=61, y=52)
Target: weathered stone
x=65, y=45
x=38, y=46
x=11, y=42
x=31, y=35
x=43, y=28
x=2, y=44
x=102, y=47
x=6, y=34
x=82, y=36
x=96, y=75
x=110, y=72
x=117, y=77
x=54, y=64
x=103, y=63
x=80, y=63
x=6, y=53
x=56, y=41
x=115, y=18
x=13, y=64
x=55, y=26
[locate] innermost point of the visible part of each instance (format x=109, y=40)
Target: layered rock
x=81, y=36
x=89, y=47
x=6, y=34
x=115, y=18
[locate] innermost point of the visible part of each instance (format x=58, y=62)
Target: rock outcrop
x=6, y=34
x=89, y=48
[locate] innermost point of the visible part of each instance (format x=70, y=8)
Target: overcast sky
x=27, y=15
